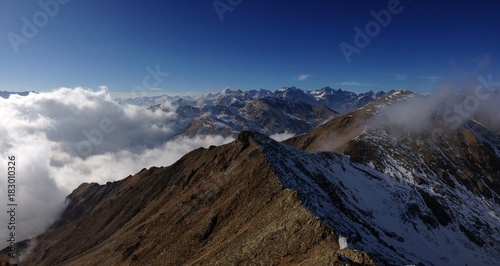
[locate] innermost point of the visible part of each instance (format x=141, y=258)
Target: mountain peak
x=291, y=89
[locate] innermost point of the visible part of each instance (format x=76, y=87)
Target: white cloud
x=399, y=76
x=474, y=97
x=303, y=77
x=282, y=136
x=156, y=89
x=430, y=78
x=353, y=83
x=69, y=136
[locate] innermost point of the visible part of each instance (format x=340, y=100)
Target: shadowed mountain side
x=267, y=115
x=336, y=133
x=222, y=205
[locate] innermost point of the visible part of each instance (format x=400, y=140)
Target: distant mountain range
x=286, y=110
x=350, y=191
x=7, y=94
x=338, y=100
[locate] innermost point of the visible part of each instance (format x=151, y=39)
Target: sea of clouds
x=70, y=136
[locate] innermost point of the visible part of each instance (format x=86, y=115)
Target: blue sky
x=259, y=44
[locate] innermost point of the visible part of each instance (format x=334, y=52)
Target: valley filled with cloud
x=68, y=136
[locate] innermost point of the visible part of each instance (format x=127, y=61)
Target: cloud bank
x=449, y=106
x=69, y=136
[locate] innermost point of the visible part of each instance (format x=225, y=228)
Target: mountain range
x=7, y=94
x=286, y=110
x=362, y=188
x=339, y=100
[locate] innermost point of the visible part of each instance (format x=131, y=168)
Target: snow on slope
x=485, y=136
x=386, y=216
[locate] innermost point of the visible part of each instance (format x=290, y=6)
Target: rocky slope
x=453, y=177
x=467, y=156
x=222, y=205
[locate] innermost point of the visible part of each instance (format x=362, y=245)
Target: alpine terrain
x=363, y=188
x=286, y=110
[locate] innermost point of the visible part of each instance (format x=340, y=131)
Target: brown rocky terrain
x=222, y=205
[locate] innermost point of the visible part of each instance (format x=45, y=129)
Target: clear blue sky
x=260, y=44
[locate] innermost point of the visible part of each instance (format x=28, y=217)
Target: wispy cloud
x=430, y=78
x=156, y=89
x=353, y=83
x=303, y=77
x=282, y=136
x=399, y=76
